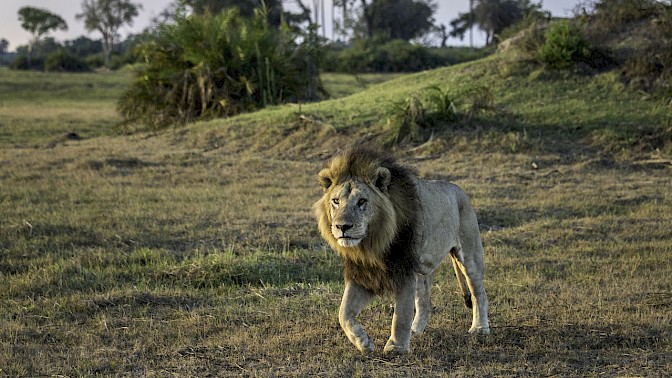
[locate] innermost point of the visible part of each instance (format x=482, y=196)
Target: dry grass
x=170, y=255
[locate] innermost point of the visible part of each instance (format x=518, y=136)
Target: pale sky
x=10, y=27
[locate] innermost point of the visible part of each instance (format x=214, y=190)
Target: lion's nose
x=344, y=227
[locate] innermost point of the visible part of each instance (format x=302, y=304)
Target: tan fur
x=343, y=168
x=392, y=230
x=389, y=188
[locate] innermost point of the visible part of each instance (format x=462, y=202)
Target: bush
x=21, y=63
x=119, y=60
x=563, y=45
x=208, y=65
x=380, y=55
x=62, y=60
x=402, y=56
x=95, y=60
x=421, y=114
x=6, y=58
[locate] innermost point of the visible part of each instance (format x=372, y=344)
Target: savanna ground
x=193, y=252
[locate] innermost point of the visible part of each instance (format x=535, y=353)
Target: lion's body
x=392, y=230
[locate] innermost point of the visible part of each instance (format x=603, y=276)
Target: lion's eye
x=335, y=201
x=361, y=202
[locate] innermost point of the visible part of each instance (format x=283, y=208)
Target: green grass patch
x=38, y=108
x=340, y=85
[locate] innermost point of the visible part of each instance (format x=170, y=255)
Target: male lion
x=392, y=230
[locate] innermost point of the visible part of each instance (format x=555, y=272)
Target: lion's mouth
x=347, y=241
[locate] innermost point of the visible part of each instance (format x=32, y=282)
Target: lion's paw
x=364, y=344
x=392, y=348
x=479, y=330
x=417, y=329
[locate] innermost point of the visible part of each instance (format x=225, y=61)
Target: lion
x=391, y=230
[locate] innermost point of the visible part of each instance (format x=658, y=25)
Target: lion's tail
x=462, y=282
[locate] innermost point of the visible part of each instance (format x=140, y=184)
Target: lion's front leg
x=355, y=298
x=423, y=304
x=404, y=306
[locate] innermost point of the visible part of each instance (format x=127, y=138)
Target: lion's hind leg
x=461, y=280
x=470, y=264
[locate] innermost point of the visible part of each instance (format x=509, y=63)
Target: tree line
x=365, y=31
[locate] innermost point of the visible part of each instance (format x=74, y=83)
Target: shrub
x=406, y=118
x=402, y=56
x=95, y=60
x=431, y=110
x=62, y=60
x=381, y=55
x=208, y=65
x=21, y=63
x=119, y=60
x=563, y=45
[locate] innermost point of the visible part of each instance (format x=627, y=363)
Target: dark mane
x=398, y=258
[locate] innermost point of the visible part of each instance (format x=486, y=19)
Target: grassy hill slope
x=537, y=109
x=193, y=251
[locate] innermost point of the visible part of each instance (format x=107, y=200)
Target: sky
x=10, y=27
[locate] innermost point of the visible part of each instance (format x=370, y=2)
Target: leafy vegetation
x=39, y=22
x=220, y=65
x=275, y=13
x=563, y=45
x=391, y=19
x=106, y=17
x=380, y=55
x=376, y=43
x=497, y=18
x=64, y=61
x=433, y=111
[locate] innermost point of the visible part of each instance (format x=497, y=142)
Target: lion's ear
x=325, y=179
x=382, y=180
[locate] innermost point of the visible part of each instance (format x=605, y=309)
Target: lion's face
x=351, y=212
x=355, y=212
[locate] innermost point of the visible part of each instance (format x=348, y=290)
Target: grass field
x=193, y=252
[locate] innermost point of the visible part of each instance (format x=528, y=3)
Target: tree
x=106, y=17
x=4, y=46
x=442, y=32
x=302, y=16
x=275, y=11
x=396, y=19
x=245, y=7
x=84, y=46
x=347, y=21
x=493, y=16
x=39, y=22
